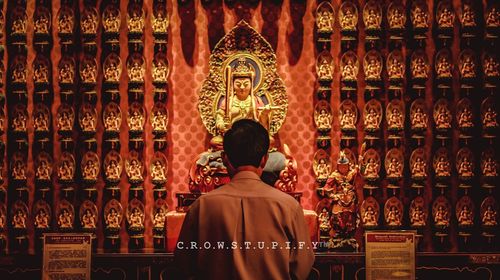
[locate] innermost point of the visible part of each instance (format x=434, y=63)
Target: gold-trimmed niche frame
x=243, y=41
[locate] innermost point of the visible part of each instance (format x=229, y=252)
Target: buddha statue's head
x=242, y=79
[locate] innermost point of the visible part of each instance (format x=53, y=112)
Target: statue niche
x=242, y=83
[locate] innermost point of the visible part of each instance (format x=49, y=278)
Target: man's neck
x=250, y=168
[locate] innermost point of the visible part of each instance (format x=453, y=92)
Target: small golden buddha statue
x=394, y=169
x=468, y=16
x=369, y=217
x=112, y=72
x=324, y=22
x=441, y=218
x=90, y=170
x=323, y=120
x=136, y=120
x=349, y=71
x=465, y=217
x=493, y=18
x=41, y=123
x=465, y=118
x=65, y=171
x=89, y=73
x=373, y=69
x=468, y=68
x=19, y=122
x=65, y=121
x=136, y=219
x=489, y=217
x=65, y=219
x=112, y=121
x=134, y=170
x=372, y=120
x=66, y=74
x=445, y=18
x=19, y=73
x=41, y=24
x=135, y=22
x=41, y=220
x=159, y=218
x=41, y=73
x=136, y=72
x=19, y=25
x=395, y=120
x=65, y=21
x=19, y=220
x=349, y=20
x=395, y=69
x=112, y=219
x=491, y=67
x=371, y=169
x=158, y=172
x=465, y=168
x=419, y=68
x=111, y=20
x=490, y=118
x=397, y=18
x=419, y=168
x=419, y=119
x=88, y=220
x=393, y=217
x=373, y=19
x=159, y=121
x=443, y=120
x=88, y=122
x=89, y=21
x=159, y=22
x=160, y=71
x=443, y=167
x=490, y=168
x=324, y=221
x=19, y=170
x=325, y=70
x=43, y=171
x=417, y=218
x=347, y=120
x=323, y=169
x=112, y=171
x=419, y=17
x=443, y=68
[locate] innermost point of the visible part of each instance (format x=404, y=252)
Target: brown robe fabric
x=258, y=232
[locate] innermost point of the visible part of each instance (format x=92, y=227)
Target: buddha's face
x=242, y=87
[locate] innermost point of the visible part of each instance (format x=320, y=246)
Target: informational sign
x=390, y=255
x=66, y=256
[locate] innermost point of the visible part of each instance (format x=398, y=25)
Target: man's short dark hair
x=246, y=143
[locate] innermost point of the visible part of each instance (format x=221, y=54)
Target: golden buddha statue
x=369, y=217
x=417, y=217
x=136, y=219
x=135, y=21
x=348, y=120
x=41, y=220
x=443, y=119
x=396, y=17
x=468, y=67
x=443, y=67
x=158, y=172
x=160, y=71
x=133, y=168
x=349, y=71
x=373, y=68
x=41, y=73
x=112, y=171
x=393, y=217
x=419, y=119
x=419, y=68
x=419, y=168
x=242, y=104
x=43, y=171
x=41, y=24
x=489, y=217
x=394, y=170
x=465, y=118
x=395, y=69
x=419, y=17
x=88, y=21
x=65, y=219
x=136, y=72
x=159, y=218
x=136, y=120
x=19, y=25
x=88, y=220
x=324, y=221
x=88, y=122
x=19, y=73
x=112, y=121
x=443, y=167
x=112, y=219
x=19, y=219
x=159, y=121
x=490, y=118
x=323, y=120
x=493, y=18
x=111, y=19
x=19, y=122
x=88, y=73
x=395, y=120
x=41, y=122
x=372, y=120
x=159, y=21
x=371, y=169
x=441, y=218
x=372, y=15
x=65, y=121
x=468, y=16
x=324, y=21
x=66, y=73
x=465, y=168
x=65, y=171
x=490, y=168
x=491, y=67
x=348, y=18
x=90, y=170
x=445, y=18
x=19, y=170
x=65, y=21
x=465, y=217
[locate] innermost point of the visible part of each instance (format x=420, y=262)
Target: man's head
x=246, y=144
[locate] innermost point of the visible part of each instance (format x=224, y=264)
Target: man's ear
x=263, y=161
x=226, y=161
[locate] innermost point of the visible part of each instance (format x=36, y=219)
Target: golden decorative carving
x=111, y=19
x=348, y=16
x=418, y=212
x=66, y=20
x=441, y=209
x=135, y=19
x=325, y=17
x=90, y=167
x=396, y=15
x=349, y=66
x=89, y=21
x=393, y=212
x=243, y=43
x=159, y=19
x=372, y=15
x=323, y=117
x=42, y=20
